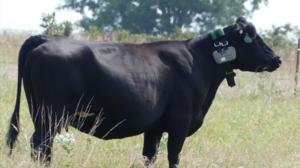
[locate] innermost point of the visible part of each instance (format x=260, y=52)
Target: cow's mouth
x=274, y=63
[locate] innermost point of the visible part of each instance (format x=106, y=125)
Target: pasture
x=255, y=124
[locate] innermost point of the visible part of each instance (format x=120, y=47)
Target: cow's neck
x=202, y=49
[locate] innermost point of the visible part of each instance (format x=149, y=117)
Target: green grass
x=256, y=124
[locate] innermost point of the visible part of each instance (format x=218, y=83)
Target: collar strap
x=229, y=75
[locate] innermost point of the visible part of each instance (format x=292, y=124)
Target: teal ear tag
x=248, y=39
x=217, y=33
x=220, y=32
x=213, y=35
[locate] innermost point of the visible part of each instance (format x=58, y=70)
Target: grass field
x=253, y=125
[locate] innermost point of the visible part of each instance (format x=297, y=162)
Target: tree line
x=159, y=16
x=151, y=19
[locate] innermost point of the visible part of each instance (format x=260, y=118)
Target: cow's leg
x=175, y=143
x=41, y=145
x=151, y=146
x=42, y=138
x=178, y=130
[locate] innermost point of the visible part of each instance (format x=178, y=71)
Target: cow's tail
x=13, y=130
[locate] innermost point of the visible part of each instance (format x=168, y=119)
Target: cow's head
x=244, y=48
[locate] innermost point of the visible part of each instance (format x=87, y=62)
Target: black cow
x=120, y=90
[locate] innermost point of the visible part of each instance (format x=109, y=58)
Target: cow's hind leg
x=41, y=145
x=151, y=146
x=42, y=138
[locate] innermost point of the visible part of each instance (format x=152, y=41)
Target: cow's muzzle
x=274, y=64
x=271, y=66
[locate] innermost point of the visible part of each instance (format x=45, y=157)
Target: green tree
x=281, y=36
x=159, y=16
x=53, y=28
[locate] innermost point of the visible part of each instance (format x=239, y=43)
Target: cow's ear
x=241, y=23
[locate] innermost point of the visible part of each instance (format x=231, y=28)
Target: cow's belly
x=110, y=129
x=111, y=117
x=105, y=127
x=127, y=110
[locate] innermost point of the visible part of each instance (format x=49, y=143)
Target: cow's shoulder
x=176, y=54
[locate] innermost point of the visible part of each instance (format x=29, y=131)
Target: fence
x=297, y=67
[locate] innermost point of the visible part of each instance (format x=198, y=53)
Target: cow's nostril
x=277, y=60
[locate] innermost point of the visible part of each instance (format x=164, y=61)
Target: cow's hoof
x=172, y=166
x=149, y=161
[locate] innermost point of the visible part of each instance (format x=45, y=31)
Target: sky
x=25, y=15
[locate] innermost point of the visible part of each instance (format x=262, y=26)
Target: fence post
x=297, y=67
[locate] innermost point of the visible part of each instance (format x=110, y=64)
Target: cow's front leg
x=178, y=131
x=151, y=146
